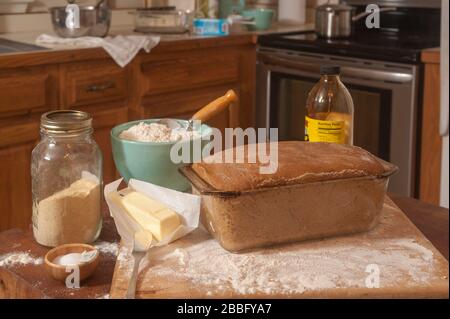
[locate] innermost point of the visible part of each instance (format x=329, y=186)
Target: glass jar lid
x=66, y=123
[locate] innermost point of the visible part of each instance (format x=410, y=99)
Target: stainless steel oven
x=385, y=97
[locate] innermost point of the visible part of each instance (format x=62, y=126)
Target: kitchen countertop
x=432, y=55
x=30, y=37
x=64, y=53
x=166, y=39
x=28, y=281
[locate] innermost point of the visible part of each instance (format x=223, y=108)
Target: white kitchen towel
x=121, y=48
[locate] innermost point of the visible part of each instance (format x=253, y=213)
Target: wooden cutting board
x=31, y=280
x=394, y=260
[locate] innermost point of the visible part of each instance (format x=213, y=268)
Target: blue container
x=211, y=27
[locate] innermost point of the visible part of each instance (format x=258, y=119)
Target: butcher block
x=393, y=260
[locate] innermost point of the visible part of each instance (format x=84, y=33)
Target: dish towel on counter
x=121, y=48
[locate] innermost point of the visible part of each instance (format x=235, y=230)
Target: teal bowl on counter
x=262, y=18
x=150, y=161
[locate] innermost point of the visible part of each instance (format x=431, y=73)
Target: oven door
x=384, y=97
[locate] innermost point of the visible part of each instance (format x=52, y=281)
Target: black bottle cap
x=330, y=70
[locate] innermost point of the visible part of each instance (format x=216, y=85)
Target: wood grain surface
x=174, y=80
x=31, y=281
x=383, y=241
x=431, y=140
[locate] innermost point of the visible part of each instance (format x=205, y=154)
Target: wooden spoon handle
x=215, y=107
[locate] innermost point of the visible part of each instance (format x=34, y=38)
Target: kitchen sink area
x=9, y=46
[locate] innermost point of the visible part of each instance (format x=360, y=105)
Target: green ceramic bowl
x=262, y=17
x=149, y=161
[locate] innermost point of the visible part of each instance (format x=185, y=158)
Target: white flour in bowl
x=155, y=132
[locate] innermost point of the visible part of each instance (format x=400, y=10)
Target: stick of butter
x=143, y=238
x=152, y=215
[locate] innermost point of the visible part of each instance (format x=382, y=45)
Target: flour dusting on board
x=19, y=258
x=291, y=270
x=107, y=247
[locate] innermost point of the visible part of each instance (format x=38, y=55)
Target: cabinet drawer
x=94, y=82
x=25, y=132
x=27, y=90
x=190, y=71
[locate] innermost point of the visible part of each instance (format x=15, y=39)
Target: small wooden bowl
x=59, y=272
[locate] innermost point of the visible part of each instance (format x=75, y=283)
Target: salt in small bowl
x=59, y=271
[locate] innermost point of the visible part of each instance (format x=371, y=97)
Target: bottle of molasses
x=329, y=109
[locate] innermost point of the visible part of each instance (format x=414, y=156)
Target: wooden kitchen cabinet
x=178, y=84
x=93, y=83
x=16, y=143
x=431, y=141
x=101, y=88
x=175, y=80
x=104, y=121
x=25, y=93
x=183, y=105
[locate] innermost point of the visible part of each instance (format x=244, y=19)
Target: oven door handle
x=347, y=72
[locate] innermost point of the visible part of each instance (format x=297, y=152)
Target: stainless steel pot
x=94, y=21
x=335, y=20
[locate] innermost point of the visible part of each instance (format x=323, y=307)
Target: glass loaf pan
x=246, y=219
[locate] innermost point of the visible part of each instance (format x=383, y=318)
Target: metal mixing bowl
x=93, y=22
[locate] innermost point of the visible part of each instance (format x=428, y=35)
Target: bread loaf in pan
x=319, y=190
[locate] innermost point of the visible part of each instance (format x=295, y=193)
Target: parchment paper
x=186, y=205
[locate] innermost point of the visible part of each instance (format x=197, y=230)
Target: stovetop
x=384, y=47
x=402, y=35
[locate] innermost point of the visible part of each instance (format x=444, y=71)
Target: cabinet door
x=100, y=88
x=431, y=147
x=104, y=121
x=182, y=105
x=16, y=144
x=25, y=93
x=181, y=82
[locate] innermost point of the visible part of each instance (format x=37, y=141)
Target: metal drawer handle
x=348, y=72
x=101, y=87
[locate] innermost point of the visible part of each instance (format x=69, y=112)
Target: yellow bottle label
x=324, y=131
